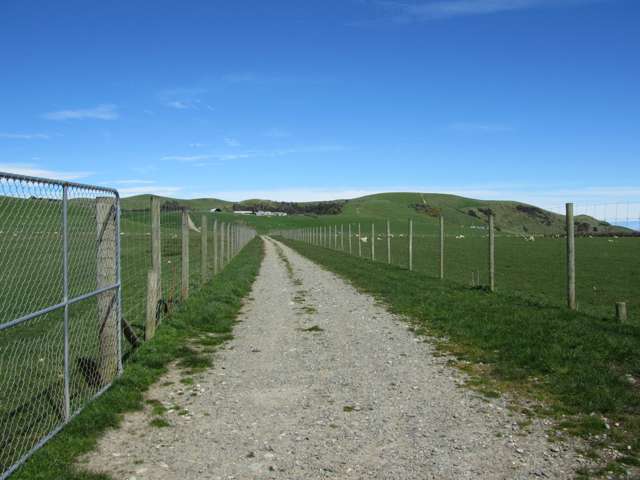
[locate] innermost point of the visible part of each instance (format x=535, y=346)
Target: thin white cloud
x=133, y=182
x=275, y=153
x=197, y=145
x=36, y=171
x=25, y=136
x=179, y=104
x=404, y=11
x=101, y=112
x=232, y=142
x=277, y=133
x=182, y=98
x=480, y=127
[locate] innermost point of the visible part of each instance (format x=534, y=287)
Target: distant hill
x=510, y=217
x=143, y=201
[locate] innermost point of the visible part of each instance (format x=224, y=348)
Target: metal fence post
x=65, y=246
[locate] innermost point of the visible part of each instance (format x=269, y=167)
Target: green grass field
x=578, y=367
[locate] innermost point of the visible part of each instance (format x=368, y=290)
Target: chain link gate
x=60, y=307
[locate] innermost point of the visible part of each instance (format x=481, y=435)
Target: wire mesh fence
x=75, y=295
x=59, y=335
x=532, y=266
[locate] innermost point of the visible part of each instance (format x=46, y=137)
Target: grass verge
x=211, y=310
x=581, y=370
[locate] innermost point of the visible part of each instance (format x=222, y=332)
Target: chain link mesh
x=47, y=296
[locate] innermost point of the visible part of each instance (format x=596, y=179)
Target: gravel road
x=321, y=381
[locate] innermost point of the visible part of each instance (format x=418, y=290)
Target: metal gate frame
x=67, y=302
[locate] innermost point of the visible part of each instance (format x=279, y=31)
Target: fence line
x=571, y=268
x=83, y=282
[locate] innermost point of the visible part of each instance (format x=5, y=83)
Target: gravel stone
x=274, y=406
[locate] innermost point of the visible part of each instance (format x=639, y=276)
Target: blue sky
x=533, y=100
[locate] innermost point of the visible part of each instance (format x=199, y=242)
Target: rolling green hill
x=143, y=201
x=466, y=214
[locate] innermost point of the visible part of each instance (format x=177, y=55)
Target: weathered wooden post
x=388, y=242
x=156, y=246
x=215, y=247
x=342, y=237
x=222, y=246
x=335, y=237
x=571, y=258
x=492, y=251
x=107, y=302
x=621, y=311
x=441, y=247
x=410, y=245
x=185, y=254
x=373, y=242
x=204, y=264
x=359, y=241
x=152, y=304
x=228, y=242
x=349, y=239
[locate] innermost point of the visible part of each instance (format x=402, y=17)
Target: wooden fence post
x=441, y=247
x=215, y=247
x=152, y=304
x=410, y=245
x=185, y=254
x=349, y=239
x=106, y=273
x=388, y=242
x=342, y=237
x=571, y=259
x=373, y=242
x=492, y=254
x=359, y=241
x=204, y=264
x=621, y=311
x=156, y=245
x=335, y=237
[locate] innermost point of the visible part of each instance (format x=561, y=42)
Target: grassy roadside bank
x=212, y=309
x=581, y=370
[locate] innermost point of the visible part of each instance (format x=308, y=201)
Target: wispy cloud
x=25, y=136
x=274, y=153
x=480, y=127
x=133, y=182
x=183, y=98
x=403, y=11
x=232, y=142
x=101, y=112
x=277, y=133
x=37, y=171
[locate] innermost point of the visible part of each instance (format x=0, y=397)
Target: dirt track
x=359, y=397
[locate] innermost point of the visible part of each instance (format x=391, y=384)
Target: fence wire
x=529, y=265
x=74, y=294
x=59, y=307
